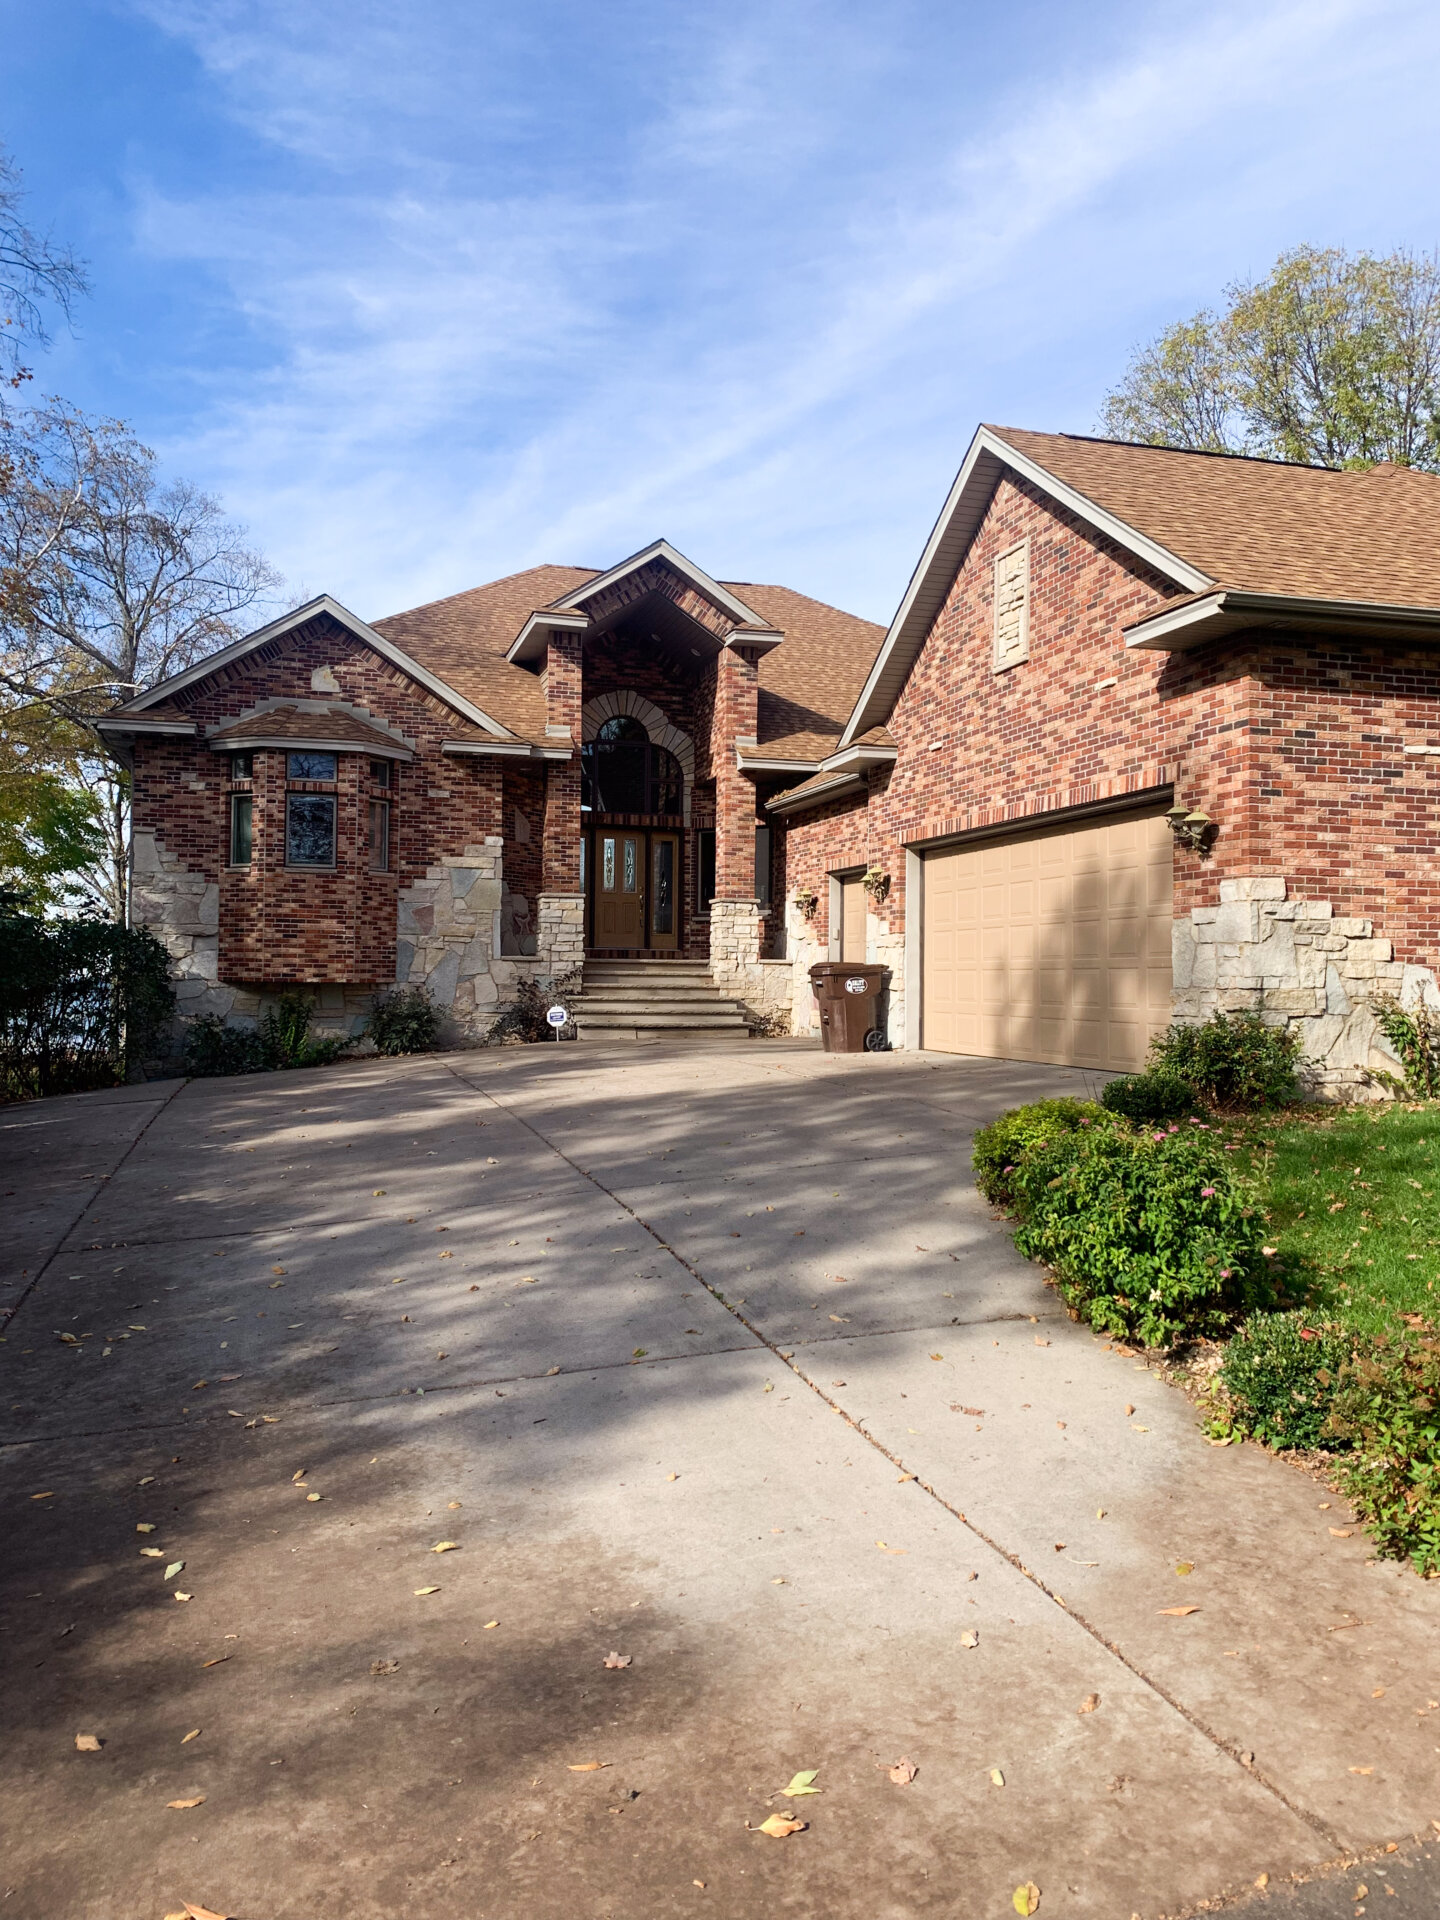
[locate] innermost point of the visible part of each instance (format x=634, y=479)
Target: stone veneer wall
x=1297, y=964
x=763, y=987
x=560, y=946
x=448, y=938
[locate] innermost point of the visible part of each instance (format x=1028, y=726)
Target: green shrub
x=524, y=1019
x=1233, y=1060
x=1281, y=1372
x=1387, y=1411
x=212, y=1048
x=283, y=1040
x=998, y=1147
x=1155, y=1095
x=82, y=1002
x=404, y=1020
x=1151, y=1236
x=1415, y=1036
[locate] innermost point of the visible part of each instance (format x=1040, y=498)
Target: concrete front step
x=672, y=997
x=660, y=1022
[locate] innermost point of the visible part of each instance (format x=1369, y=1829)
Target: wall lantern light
x=1197, y=831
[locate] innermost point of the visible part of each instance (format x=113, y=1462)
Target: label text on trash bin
x=857, y=986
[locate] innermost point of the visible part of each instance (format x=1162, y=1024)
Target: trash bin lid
x=859, y=969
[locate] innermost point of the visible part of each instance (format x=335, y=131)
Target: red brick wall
x=524, y=861
x=733, y=717
x=1293, y=744
x=280, y=924
x=562, y=793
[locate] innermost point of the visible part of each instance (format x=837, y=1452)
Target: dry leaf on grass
x=1026, y=1899
x=778, y=1826
x=903, y=1772
x=588, y=1766
x=198, y=1801
x=1179, y=1612
x=87, y=1743
x=618, y=1660
x=801, y=1783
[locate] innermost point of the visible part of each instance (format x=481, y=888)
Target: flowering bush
x=1386, y=1409
x=1152, y=1235
x=999, y=1146
x=1279, y=1374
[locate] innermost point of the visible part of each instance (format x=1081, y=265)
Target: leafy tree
x=1333, y=360
x=33, y=270
x=110, y=579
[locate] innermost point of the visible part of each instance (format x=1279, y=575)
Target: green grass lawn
x=1355, y=1193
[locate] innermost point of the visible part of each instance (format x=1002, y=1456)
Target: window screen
x=309, y=830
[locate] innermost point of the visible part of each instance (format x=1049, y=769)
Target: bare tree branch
x=33, y=270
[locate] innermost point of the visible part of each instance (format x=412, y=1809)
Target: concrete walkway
x=709, y=1358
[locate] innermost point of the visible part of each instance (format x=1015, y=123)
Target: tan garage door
x=1054, y=947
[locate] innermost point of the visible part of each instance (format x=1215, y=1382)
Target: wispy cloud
x=740, y=322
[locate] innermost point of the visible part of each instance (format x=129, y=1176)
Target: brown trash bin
x=849, y=995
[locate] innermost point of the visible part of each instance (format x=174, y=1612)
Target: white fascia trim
x=534, y=637
x=874, y=755
x=186, y=729
x=916, y=608
x=285, y=743
x=277, y=629
x=1201, y=620
x=491, y=749
x=662, y=550
x=765, y=640
x=812, y=796
x=760, y=763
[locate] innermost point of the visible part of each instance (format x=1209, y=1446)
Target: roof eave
x=799, y=799
x=950, y=538
x=534, y=637
x=662, y=550
x=768, y=763
x=1229, y=611
x=138, y=729
x=306, y=743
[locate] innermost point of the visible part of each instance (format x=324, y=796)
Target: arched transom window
x=623, y=771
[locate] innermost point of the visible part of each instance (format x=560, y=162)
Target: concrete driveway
x=710, y=1359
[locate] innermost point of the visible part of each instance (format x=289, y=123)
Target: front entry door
x=619, y=889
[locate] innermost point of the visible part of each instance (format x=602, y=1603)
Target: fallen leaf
x=903, y=1478
x=201, y=1913
x=445, y=1546
x=378, y=1194
x=618, y=1660
x=997, y=1778
x=1026, y=1899
x=1041, y=1343
x=218, y=1661
x=175, y=1566
x=152, y=1553
x=194, y=1734
x=314, y=1496
x=801, y=1783
x=1362, y=1769
x=87, y=1743
x=550, y=1372
x=297, y=1479
x=384, y=1666
x=903, y=1772
x=1185, y=1566
x=1341, y=1533
x=1361, y=1891
x=672, y=1476
x=1138, y=1429
x=420, y=1590
x=182, y=1596
x=1179, y=1610
x=778, y=1826
x=937, y=1356
x=1089, y=1703
x=970, y=1638
x=488, y=1625
x=884, y=1549
x=198, y=1801
x=447, y=1254
x=1262, y=1879
x=698, y=1883
x=1129, y=1409
x=589, y=1766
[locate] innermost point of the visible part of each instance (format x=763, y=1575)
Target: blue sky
x=428, y=293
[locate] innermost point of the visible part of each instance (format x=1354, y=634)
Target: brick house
x=560, y=764
x=1151, y=733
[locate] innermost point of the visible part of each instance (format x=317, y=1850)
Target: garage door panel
x=1054, y=948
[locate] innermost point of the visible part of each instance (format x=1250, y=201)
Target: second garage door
x=1054, y=947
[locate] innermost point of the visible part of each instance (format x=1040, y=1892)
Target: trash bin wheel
x=875, y=1041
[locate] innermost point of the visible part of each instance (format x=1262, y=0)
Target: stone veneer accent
x=182, y=910
x=1297, y=964
x=560, y=946
x=449, y=937
x=763, y=987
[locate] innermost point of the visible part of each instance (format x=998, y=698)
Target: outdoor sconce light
x=806, y=901
x=1196, y=831
x=876, y=883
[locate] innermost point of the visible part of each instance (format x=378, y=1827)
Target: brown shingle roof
x=464, y=640
x=293, y=723
x=1260, y=525
x=807, y=685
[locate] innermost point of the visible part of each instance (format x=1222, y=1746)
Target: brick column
x=561, y=915
x=732, y=719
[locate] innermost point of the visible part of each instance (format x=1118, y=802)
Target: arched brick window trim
x=606, y=706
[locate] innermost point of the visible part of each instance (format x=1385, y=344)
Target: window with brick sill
x=310, y=830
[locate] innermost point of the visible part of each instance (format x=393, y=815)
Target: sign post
x=557, y=1016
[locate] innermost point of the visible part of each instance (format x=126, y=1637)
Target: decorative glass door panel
x=619, y=889
x=664, y=891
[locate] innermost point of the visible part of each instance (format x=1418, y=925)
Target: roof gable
x=289, y=623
